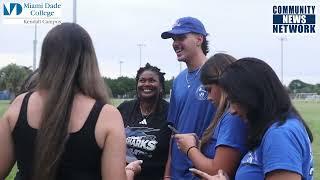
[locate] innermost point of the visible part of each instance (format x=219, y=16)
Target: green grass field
x=310, y=112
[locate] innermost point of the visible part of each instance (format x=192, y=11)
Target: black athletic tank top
x=81, y=159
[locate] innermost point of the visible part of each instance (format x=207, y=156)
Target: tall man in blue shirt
x=189, y=110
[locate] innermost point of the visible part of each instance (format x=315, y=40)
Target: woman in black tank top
x=64, y=130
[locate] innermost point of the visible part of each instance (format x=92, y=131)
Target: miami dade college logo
x=34, y=12
x=12, y=9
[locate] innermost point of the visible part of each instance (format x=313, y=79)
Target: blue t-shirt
x=285, y=147
x=189, y=112
x=230, y=131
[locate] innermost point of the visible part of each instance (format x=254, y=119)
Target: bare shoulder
x=110, y=115
x=110, y=108
x=17, y=101
x=13, y=111
x=109, y=123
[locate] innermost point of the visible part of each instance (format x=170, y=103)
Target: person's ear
x=199, y=39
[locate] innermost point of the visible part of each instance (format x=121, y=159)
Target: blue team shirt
x=189, y=112
x=230, y=131
x=285, y=147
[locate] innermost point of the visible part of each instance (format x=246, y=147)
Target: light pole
x=74, y=11
x=140, y=49
x=120, y=63
x=35, y=48
x=281, y=40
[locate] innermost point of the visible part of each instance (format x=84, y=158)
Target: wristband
x=190, y=149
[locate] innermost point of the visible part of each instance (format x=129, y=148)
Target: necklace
x=144, y=117
x=189, y=82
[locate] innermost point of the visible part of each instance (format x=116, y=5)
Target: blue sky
x=240, y=28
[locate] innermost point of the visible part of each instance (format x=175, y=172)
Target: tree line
x=125, y=87
x=297, y=86
x=13, y=76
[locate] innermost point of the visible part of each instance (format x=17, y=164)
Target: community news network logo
x=41, y=12
x=294, y=19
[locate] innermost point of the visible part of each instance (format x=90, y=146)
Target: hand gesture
x=185, y=141
x=220, y=176
x=134, y=167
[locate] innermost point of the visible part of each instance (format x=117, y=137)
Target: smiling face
x=186, y=45
x=148, y=85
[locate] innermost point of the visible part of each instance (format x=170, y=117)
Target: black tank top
x=81, y=159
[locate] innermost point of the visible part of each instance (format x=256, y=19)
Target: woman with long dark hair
x=223, y=143
x=64, y=129
x=279, y=139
